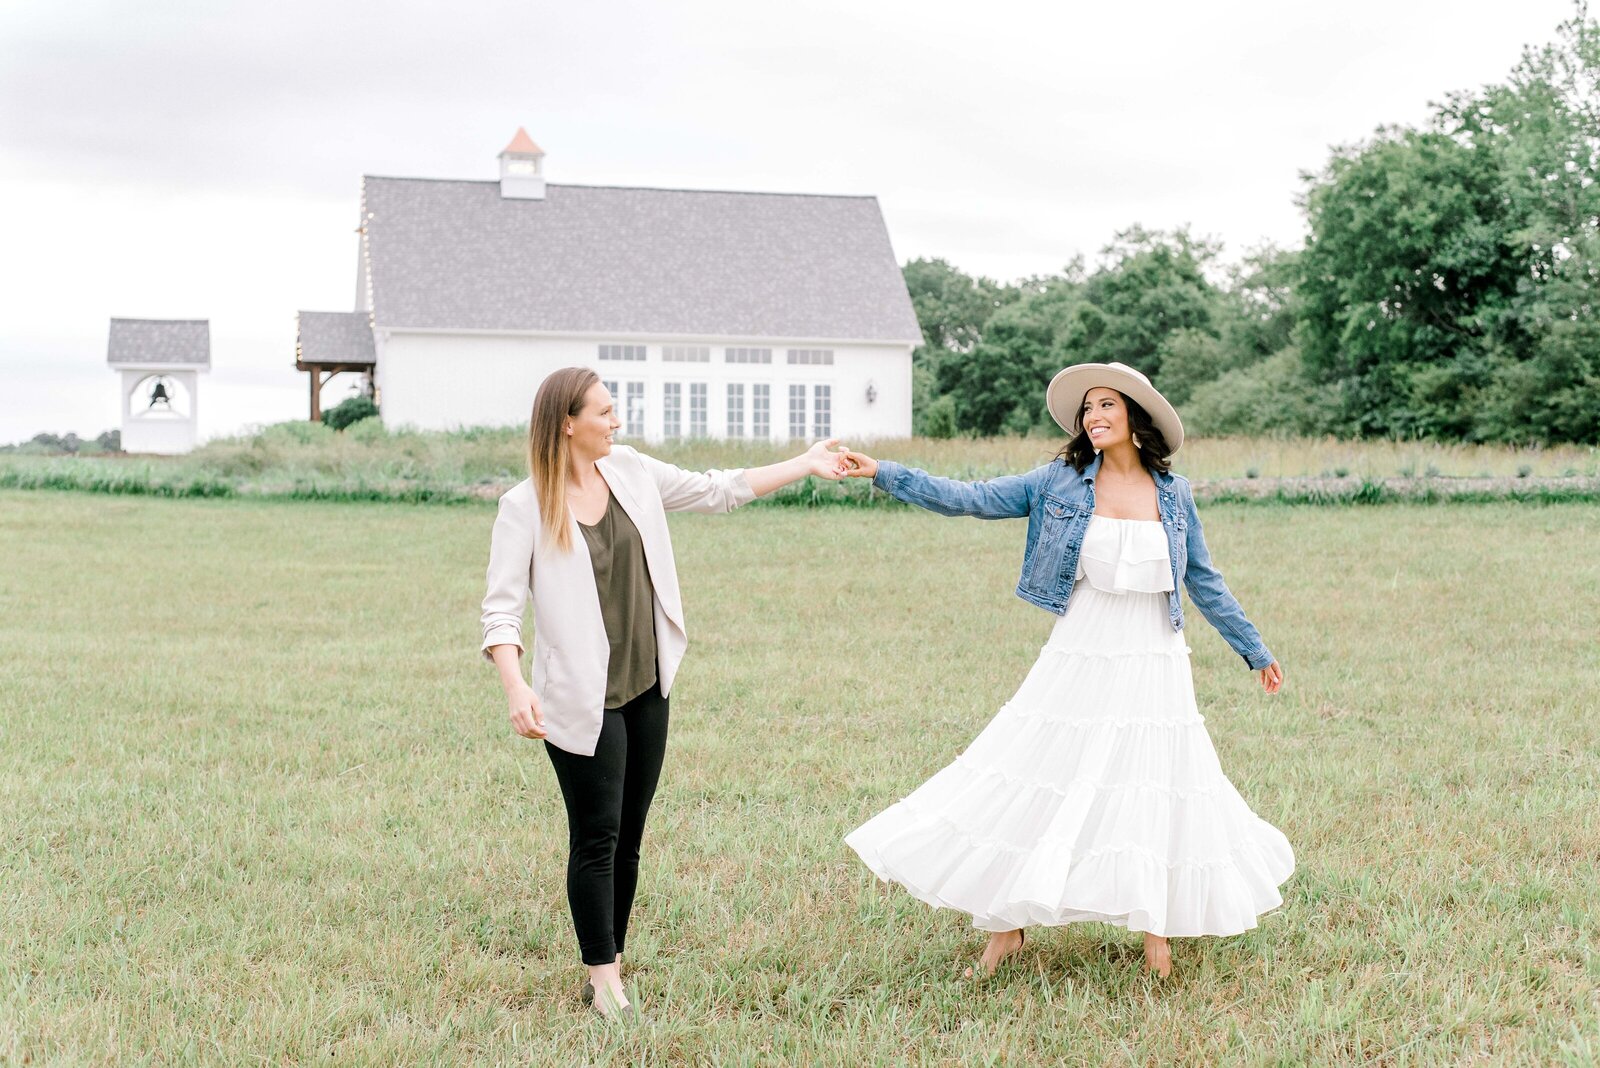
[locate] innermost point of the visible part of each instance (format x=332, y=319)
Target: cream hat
x=1065, y=396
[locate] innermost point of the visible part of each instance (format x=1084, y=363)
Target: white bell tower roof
x=522, y=168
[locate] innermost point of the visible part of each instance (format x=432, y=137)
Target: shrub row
x=140, y=480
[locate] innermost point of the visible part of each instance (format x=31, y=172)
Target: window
x=749, y=355
x=611, y=388
x=761, y=410
x=697, y=409
x=686, y=353
x=735, y=410
x=797, y=412
x=635, y=410
x=672, y=409
x=810, y=355
x=822, y=411
x=622, y=352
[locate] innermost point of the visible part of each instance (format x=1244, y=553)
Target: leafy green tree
x=938, y=420
x=1271, y=396
x=48, y=444
x=987, y=384
x=1447, y=285
x=1545, y=124
x=952, y=309
x=1407, y=280
x=1149, y=301
x=999, y=386
x=1447, y=289
x=1152, y=284
x=1260, y=303
x=1193, y=357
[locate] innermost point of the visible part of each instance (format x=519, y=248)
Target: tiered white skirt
x=1095, y=794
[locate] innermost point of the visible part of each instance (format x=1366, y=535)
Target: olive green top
x=627, y=603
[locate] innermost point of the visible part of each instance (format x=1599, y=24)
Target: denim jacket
x=1058, y=502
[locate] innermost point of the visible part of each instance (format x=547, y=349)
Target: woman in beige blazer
x=586, y=535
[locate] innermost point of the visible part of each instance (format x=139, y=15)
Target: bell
x=159, y=395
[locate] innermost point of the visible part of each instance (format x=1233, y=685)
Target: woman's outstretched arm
x=819, y=460
x=723, y=491
x=1007, y=497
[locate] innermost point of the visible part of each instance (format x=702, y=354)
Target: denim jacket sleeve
x=1213, y=598
x=1007, y=497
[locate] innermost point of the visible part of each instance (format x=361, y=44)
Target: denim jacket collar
x=1163, y=478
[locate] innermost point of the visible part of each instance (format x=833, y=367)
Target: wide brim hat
x=1065, y=396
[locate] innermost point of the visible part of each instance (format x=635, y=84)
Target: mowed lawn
x=259, y=801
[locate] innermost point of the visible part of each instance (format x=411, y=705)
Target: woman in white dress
x=1095, y=793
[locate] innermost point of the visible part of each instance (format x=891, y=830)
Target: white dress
x=1095, y=793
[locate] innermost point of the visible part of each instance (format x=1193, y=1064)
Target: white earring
x=1135, y=438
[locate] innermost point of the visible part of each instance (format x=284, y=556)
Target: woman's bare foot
x=1002, y=944
x=1157, y=955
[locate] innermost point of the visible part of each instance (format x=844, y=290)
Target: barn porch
x=333, y=343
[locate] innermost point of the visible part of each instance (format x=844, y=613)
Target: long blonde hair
x=560, y=398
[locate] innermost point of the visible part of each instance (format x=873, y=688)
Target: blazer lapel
x=621, y=490
x=650, y=533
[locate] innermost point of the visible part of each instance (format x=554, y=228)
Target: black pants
x=607, y=797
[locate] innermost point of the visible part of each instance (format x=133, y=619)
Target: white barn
x=709, y=314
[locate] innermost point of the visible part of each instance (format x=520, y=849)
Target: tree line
x=1446, y=289
x=69, y=444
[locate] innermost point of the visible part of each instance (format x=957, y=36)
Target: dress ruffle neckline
x=1125, y=556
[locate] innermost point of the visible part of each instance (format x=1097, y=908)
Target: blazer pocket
x=544, y=669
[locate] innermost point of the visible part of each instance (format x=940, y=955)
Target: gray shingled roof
x=335, y=337
x=449, y=254
x=160, y=341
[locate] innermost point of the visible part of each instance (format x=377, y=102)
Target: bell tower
x=159, y=362
x=522, y=169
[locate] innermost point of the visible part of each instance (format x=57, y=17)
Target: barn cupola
x=522, y=169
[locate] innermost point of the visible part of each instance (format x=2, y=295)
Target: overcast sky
x=203, y=160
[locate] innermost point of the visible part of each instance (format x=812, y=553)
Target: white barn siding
x=440, y=381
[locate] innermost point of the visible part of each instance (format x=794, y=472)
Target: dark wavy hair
x=1153, y=450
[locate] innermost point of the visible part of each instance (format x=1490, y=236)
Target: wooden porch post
x=316, y=392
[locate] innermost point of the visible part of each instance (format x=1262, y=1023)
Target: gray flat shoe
x=625, y=1014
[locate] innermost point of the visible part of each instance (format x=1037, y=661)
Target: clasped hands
x=832, y=461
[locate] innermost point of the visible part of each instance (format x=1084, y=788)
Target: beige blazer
x=570, y=649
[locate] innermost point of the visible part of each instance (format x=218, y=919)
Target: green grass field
x=259, y=802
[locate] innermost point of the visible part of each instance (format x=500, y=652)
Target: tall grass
x=496, y=454
x=368, y=462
